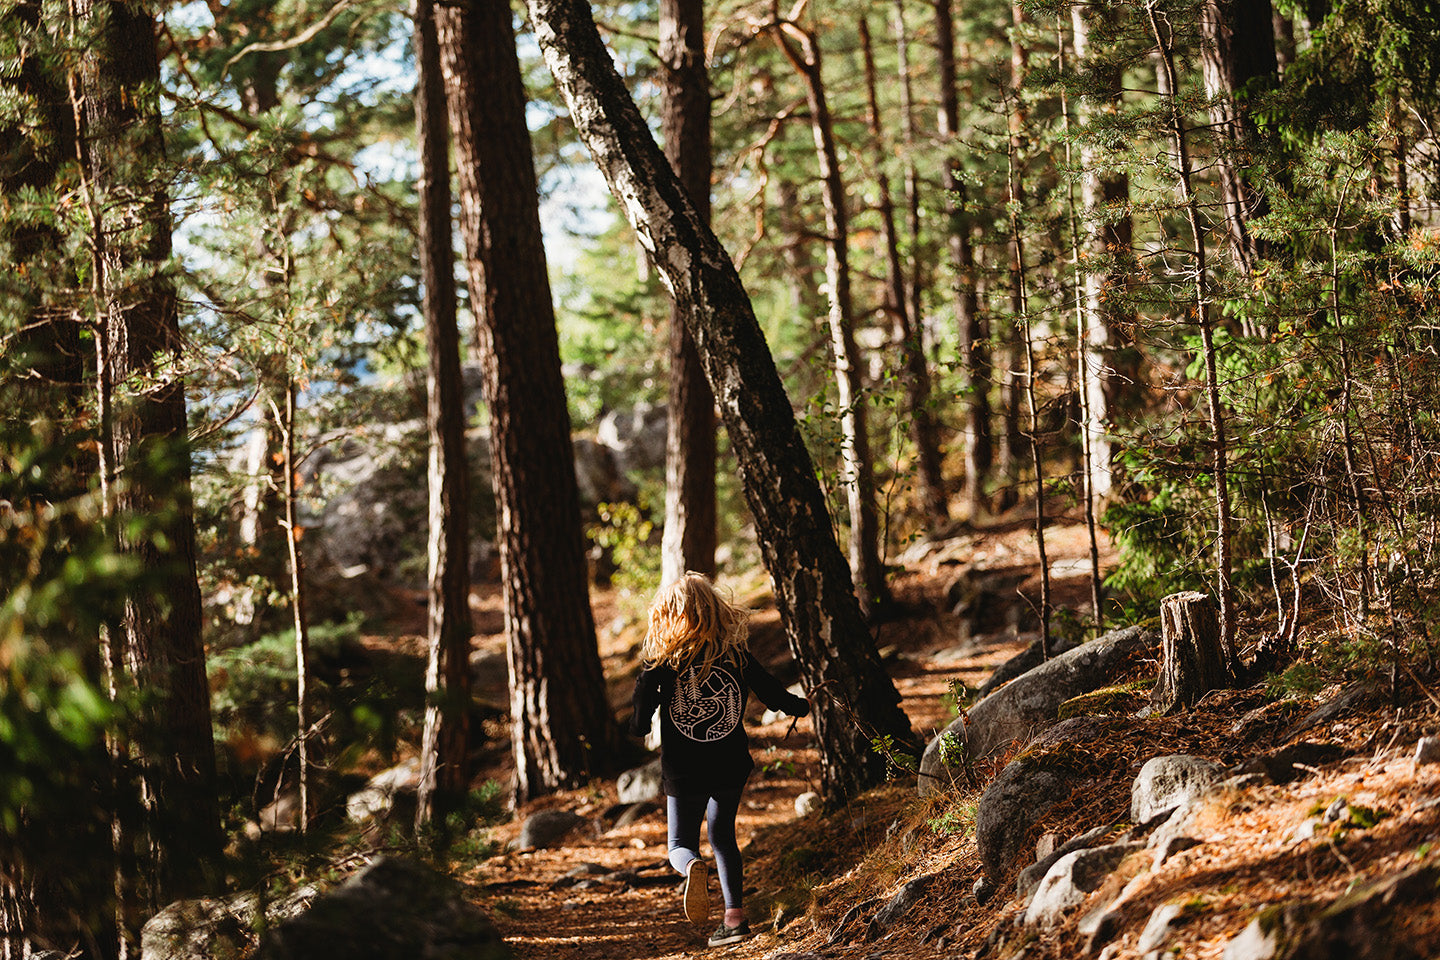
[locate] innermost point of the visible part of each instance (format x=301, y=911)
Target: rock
x=1427, y=751
x=1031, y=701
x=1159, y=927
x=1351, y=697
x=1031, y=876
x=636, y=812
x=598, y=475
x=281, y=815
x=1172, y=846
x=378, y=797
x=807, y=803
x=395, y=908
x=1072, y=878
x=1179, y=824
x=544, y=827
x=898, y=905
x=1018, y=665
x=640, y=784
x=985, y=597
x=982, y=890
x=1024, y=791
x=635, y=437
x=199, y=930
x=1260, y=940
x=1288, y=763
x=1166, y=782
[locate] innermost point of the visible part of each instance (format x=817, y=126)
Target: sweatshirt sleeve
x=772, y=692
x=645, y=701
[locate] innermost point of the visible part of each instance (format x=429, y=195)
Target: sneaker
x=697, y=892
x=725, y=936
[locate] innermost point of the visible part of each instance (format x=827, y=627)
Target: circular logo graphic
x=706, y=709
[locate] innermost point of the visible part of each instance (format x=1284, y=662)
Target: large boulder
x=1031, y=702
x=395, y=909
x=1027, y=789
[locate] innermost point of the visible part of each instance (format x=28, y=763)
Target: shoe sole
x=697, y=892
x=729, y=940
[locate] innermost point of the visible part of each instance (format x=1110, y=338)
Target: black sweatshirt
x=703, y=745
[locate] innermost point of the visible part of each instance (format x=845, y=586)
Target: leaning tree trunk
x=1192, y=657
x=856, y=704
x=562, y=727
x=689, y=539
x=445, y=742
x=866, y=567
x=157, y=648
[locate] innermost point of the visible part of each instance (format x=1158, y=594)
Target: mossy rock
x=1125, y=698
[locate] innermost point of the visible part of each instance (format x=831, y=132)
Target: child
x=698, y=671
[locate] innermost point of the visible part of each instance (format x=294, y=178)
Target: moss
x=1121, y=698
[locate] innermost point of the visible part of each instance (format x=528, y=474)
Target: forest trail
x=611, y=895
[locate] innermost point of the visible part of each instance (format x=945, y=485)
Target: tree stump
x=1192, y=660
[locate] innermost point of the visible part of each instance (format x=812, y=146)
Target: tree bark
x=1237, y=49
x=902, y=300
x=1219, y=448
x=563, y=731
x=1012, y=387
x=974, y=338
x=866, y=566
x=157, y=649
x=445, y=742
x=855, y=700
x=1105, y=251
x=689, y=539
x=1192, y=659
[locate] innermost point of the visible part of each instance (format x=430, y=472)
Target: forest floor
x=814, y=883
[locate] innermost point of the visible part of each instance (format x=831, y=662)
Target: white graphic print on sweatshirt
x=706, y=710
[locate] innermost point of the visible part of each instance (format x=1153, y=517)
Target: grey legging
x=684, y=815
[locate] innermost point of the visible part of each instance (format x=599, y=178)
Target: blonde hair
x=692, y=625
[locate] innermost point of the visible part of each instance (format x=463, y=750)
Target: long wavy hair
x=692, y=625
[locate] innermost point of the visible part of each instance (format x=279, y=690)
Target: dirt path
x=611, y=895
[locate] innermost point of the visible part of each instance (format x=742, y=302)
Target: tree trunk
x=1012, y=390
x=563, y=731
x=1219, y=450
x=160, y=648
x=689, y=538
x=445, y=743
x=1237, y=49
x=855, y=701
x=1106, y=245
x=1192, y=659
x=157, y=648
x=974, y=339
x=902, y=299
x=866, y=566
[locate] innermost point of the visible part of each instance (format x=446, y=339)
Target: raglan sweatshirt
x=703, y=744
